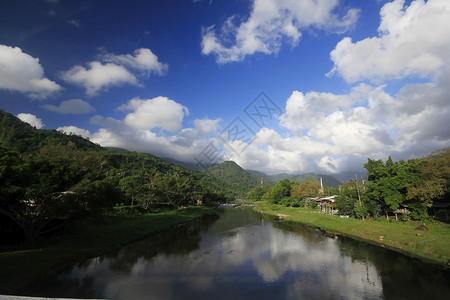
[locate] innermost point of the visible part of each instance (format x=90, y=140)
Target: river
x=239, y=254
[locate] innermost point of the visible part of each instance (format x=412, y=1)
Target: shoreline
x=431, y=247
x=84, y=241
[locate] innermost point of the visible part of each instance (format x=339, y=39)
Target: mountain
x=24, y=138
x=234, y=179
x=347, y=176
x=190, y=165
x=227, y=178
x=327, y=180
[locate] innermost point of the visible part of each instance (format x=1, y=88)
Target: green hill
x=24, y=138
x=234, y=179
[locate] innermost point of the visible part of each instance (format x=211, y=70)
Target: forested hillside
x=24, y=138
x=234, y=179
x=46, y=175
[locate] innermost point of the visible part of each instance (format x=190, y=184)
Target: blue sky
x=275, y=85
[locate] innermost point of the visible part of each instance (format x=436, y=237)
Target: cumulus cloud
x=99, y=76
x=115, y=70
x=270, y=24
x=73, y=107
x=140, y=129
x=142, y=60
x=23, y=73
x=411, y=41
x=75, y=130
x=157, y=112
x=331, y=133
x=184, y=145
x=31, y=119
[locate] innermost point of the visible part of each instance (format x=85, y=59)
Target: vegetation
x=234, y=180
x=408, y=187
x=430, y=246
x=290, y=193
x=49, y=178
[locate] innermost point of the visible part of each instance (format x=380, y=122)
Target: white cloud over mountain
x=31, y=119
x=271, y=24
x=157, y=112
x=23, y=73
x=75, y=130
x=154, y=126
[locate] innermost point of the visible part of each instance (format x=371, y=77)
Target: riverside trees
x=41, y=187
x=410, y=186
x=62, y=181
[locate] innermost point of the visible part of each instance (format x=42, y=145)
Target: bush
x=290, y=201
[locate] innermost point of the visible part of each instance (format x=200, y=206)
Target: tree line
x=411, y=187
x=290, y=193
x=61, y=181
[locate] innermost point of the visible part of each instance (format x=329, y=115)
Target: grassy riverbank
x=85, y=240
x=431, y=246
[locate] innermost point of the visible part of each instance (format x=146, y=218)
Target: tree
x=280, y=190
x=390, y=183
x=353, y=201
x=310, y=188
x=43, y=186
x=257, y=193
x=435, y=170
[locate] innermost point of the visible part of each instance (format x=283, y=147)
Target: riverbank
x=83, y=240
x=431, y=246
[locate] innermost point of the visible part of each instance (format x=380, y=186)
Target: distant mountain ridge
x=235, y=179
x=327, y=180
x=24, y=138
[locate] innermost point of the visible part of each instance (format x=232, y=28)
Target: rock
x=422, y=227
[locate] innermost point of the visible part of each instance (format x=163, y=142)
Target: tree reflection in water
x=240, y=254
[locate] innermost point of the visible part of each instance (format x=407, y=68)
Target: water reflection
x=242, y=255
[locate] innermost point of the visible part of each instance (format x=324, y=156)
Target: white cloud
x=75, y=130
x=331, y=133
x=23, y=73
x=31, y=119
x=272, y=23
x=115, y=70
x=99, y=77
x=142, y=60
x=157, y=112
x=412, y=40
x=185, y=145
x=73, y=107
x=139, y=130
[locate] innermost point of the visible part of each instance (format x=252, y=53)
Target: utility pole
x=321, y=186
x=357, y=190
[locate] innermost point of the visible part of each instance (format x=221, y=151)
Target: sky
x=291, y=86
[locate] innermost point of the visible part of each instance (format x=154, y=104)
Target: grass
x=85, y=239
x=430, y=246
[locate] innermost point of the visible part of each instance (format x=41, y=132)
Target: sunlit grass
x=432, y=246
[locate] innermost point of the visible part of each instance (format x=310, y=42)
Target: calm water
x=241, y=255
